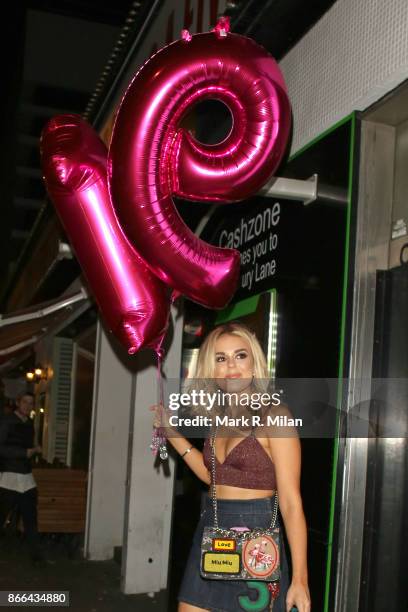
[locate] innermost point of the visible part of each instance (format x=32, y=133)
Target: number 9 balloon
x=151, y=158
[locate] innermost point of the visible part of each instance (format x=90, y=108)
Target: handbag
x=237, y=554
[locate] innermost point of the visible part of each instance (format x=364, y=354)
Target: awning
x=23, y=328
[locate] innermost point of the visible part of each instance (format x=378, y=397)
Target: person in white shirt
x=17, y=485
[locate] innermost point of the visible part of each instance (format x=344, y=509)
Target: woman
x=249, y=471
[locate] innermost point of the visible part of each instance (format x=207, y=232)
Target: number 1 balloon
x=152, y=158
x=133, y=301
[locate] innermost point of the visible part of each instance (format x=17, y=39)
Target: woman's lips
x=233, y=376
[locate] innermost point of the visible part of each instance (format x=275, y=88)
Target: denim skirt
x=231, y=595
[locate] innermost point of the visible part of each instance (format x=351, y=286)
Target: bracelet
x=187, y=451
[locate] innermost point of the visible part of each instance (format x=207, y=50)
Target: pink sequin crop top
x=247, y=465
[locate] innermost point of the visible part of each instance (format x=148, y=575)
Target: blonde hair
x=204, y=376
x=206, y=361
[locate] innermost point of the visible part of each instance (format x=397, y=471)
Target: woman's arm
x=194, y=459
x=286, y=455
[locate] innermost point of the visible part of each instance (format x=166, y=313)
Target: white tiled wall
x=353, y=56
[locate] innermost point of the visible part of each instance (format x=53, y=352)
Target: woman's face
x=234, y=363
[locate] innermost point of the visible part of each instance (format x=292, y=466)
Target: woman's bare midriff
x=227, y=492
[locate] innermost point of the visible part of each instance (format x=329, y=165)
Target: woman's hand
x=298, y=595
x=194, y=458
x=161, y=418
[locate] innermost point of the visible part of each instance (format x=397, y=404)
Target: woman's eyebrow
x=235, y=351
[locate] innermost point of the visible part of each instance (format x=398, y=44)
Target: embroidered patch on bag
x=221, y=563
x=228, y=544
x=260, y=556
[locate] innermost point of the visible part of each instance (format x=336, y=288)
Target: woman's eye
x=219, y=358
x=242, y=356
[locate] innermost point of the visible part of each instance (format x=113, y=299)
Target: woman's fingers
x=161, y=417
x=158, y=409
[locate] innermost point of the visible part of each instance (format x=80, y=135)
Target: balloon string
x=160, y=377
x=159, y=441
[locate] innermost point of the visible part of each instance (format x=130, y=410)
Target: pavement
x=94, y=586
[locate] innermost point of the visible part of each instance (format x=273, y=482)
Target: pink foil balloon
x=151, y=158
x=132, y=300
